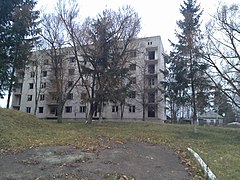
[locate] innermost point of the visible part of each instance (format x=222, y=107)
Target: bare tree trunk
x=10, y=88
x=144, y=112
x=122, y=110
x=37, y=92
x=59, y=113
x=101, y=112
x=194, y=110
x=89, y=120
x=193, y=95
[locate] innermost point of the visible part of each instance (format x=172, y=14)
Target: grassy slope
x=219, y=147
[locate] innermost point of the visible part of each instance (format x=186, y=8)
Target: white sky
x=157, y=17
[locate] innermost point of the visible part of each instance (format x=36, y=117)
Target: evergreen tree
x=186, y=67
x=18, y=29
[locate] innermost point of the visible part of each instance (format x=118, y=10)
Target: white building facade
x=35, y=95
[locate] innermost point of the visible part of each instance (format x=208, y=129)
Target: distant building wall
x=147, y=57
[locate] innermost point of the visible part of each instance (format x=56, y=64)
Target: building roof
x=210, y=115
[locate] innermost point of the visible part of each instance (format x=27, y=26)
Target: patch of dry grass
x=219, y=147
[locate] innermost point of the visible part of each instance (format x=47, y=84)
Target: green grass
x=219, y=147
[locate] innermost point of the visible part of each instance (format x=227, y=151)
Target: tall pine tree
x=186, y=67
x=18, y=27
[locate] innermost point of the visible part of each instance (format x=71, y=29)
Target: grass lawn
x=219, y=147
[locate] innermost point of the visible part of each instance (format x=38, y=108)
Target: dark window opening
x=40, y=109
x=70, y=96
x=151, y=82
x=53, y=110
x=114, y=108
x=30, y=85
x=132, y=67
x=132, y=94
x=42, y=97
x=151, y=68
x=131, y=109
x=83, y=96
x=70, y=84
x=151, y=111
x=44, y=73
x=72, y=59
x=151, y=97
x=43, y=85
x=32, y=74
x=82, y=109
x=29, y=98
x=28, y=109
x=45, y=62
x=151, y=55
x=68, y=109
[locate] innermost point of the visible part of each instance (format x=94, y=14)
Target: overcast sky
x=157, y=17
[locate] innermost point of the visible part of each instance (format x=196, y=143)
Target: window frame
x=29, y=97
x=132, y=94
x=132, y=67
x=70, y=96
x=28, y=109
x=114, y=109
x=43, y=85
x=30, y=85
x=151, y=81
x=82, y=109
x=40, y=110
x=70, y=84
x=132, y=109
x=42, y=97
x=44, y=73
x=151, y=55
x=68, y=109
x=32, y=74
x=151, y=68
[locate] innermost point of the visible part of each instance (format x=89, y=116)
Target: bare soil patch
x=122, y=161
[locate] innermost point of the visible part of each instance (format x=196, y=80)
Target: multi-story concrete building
x=35, y=95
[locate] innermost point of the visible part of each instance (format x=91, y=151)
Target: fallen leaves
x=116, y=176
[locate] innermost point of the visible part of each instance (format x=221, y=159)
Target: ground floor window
x=82, y=109
x=28, y=109
x=114, y=108
x=53, y=110
x=151, y=111
x=40, y=109
x=68, y=109
x=132, y=109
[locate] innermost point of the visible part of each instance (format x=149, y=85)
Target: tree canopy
x=186, y=72
x=18, y=26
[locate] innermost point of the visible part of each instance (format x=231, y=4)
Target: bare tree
x=54, y=39
x=222, y=51
x=100, y=46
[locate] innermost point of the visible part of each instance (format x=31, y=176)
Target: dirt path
x=130, y=161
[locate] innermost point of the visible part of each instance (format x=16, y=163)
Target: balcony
x=151, y=61
x=17, y=92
